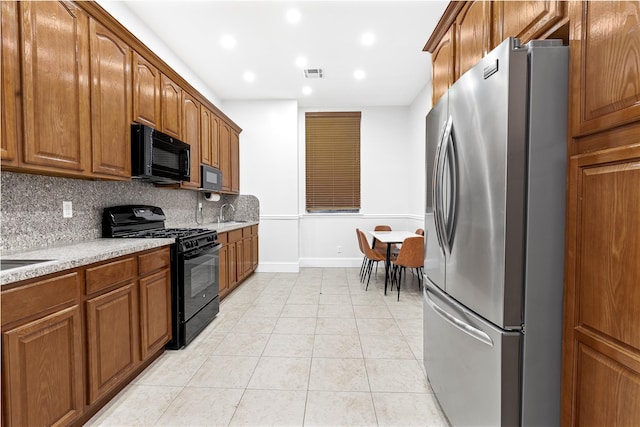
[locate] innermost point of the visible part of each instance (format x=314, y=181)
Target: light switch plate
x=67, y=210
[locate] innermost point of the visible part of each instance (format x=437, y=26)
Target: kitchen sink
x=8, y=264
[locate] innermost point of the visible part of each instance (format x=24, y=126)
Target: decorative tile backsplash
x=31, y=207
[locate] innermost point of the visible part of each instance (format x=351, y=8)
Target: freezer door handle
x=437, y=189
x=449, y=158
x=460, y=324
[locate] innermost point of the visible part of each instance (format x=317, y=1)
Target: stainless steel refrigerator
x=496, y=177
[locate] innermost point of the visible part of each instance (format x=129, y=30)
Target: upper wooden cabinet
x=473, y=41
x=605, y=71
x=191, y=135
x=110, y=102
x=9, y=83
x=526, y=20
x=225, y=156
x=443, y=65
x=171, y=107
x=57, y=126
x=146, y=92
x=209, y=136
x=235, y=162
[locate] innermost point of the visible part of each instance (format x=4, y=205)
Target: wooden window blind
x=333, y=161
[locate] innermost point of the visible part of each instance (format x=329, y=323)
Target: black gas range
x=194, y=265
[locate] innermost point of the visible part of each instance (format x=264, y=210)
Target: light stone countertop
x=72, y=255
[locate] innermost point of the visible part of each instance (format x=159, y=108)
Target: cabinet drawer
x=35, y=298
x=235, y=235
x=223, y=238
x=111, y=273
x=154, y=261
x=254, y=230
x=246, y=232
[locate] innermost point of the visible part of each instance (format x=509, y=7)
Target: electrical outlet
x=200, y=206
x=339, y=249
x=67, y=210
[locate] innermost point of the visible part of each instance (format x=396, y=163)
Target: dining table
x=390, y=238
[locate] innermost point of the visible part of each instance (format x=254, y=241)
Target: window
x=333, y=162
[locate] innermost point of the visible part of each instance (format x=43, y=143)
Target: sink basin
x=8, y=264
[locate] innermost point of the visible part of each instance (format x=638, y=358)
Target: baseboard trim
x=331, y=262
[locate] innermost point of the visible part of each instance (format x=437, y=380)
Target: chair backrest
x=420, y=231
x=359, y=240
x=377, y=244
x=368, y=251
x=411, y=252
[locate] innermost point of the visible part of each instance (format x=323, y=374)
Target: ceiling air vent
x=313, y=73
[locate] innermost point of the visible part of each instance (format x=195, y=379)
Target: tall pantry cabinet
x=601, y=328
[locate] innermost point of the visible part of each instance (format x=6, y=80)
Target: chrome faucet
x=221, y=215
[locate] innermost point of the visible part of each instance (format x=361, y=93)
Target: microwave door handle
x=187, y=164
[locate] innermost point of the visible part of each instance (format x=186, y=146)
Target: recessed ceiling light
x=367, y=39
x=359, y=74
x=301, y=61
x=227, y=41
x=249, y=76
x=307, y=90
x=293, y=16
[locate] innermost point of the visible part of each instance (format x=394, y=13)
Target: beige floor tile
x=360, y=298
x=385, y=347
x=410, y=326
x=225, y=372
x=407, y=409
x=173, y=368
x=242, y=345
x=330, y=299
x=334, y=290
x=137, y=405
x=265, y=309
x=299, y=310
x=338, y=375
x=327, y=408
x=336, y=311
x=289, y=346
x=371, y=312
x=196, y=406
x=406, y=310
x=206, y=345
x=270, y=408
x=416, y=345
x=328, y=326
x=378, y=327
x=304, y=299
x=337, y=346
x=389, y=375
x=255, y=325
x=281, y=373
x=295, y=325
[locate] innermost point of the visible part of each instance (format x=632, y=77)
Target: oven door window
x=200, y=280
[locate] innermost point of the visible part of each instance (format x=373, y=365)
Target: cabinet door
x=55, y=37
x=254, y=252
x=473, y=34
x=526, y=20
x=233, y=261
x=171, y=107
x=205, y=135
x=605, y=69
x=113, y=340
x=146, y=92
x=110, y=102
x=443, y=65
x=215, y=141
x=42, y=370
x=247, y=263
x=239, y=260
x=235, y=162
x=9, y=83
x=155, y=312
x=191, y=135
x=601, y=336
x=224, y=271
x=225, y=155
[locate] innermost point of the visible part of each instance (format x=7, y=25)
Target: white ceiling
x=328, y=35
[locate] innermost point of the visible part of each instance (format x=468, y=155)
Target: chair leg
x=399, y=281
x=363, y=266
x=370, y=269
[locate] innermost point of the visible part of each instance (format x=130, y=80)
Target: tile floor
x=311, y=348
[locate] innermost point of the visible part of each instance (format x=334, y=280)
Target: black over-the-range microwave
x=158, y=157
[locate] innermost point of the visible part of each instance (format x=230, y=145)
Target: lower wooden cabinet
x=238, y=257
x=58, y=369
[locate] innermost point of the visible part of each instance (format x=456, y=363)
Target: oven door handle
x=196, y=253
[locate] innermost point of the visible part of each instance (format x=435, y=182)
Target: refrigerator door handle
x=437, y=190
x=459, y=324
x=449, y=157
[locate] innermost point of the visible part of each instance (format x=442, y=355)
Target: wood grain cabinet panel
x=113, y=340
x=43, y=370
x=473, y=34
x=205, y=135
x=9, y=83
x=602, y=296
x=110, y=102
x=215, y=141
x=235, y=162
x=225, y=155
x=443, y=65
x=155, y=312
x=146, y=92
x=224, y=271
x=191, y=135
x=526, y=20
x=171, y=107
x=605, y=70
x=57, y=126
